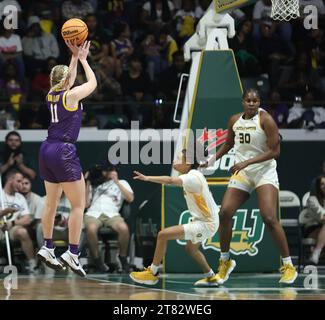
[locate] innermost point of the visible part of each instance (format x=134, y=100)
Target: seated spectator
x=278, y=110
x=121, y=47
x=168, y=46
x=76, y=9
x=313, y=187
x=41, y=81
x=18, y=221
x=11, y=51
x=38, y=46
x=156, y=14
x=13, y=157
x=34, y=201
x=313, y=219
x=136, y=88
x=301, y=80
x=107, y=194
x=185, y=21
x=13, y=88
x=247, y=63
x=306, y=115
x=99, y=42
x=33, y=116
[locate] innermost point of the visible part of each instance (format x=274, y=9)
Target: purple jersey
x=65, y=120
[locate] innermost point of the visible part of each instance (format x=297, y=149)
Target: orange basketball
x=74, y=30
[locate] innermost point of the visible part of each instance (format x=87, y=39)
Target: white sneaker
x=71, y=260
x=47, y=256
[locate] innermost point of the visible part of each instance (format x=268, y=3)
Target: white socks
x=154, y=269
x=287, y=261
x=209, y=274
x=225, y=256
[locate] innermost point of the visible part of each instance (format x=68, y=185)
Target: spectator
x=76, y=9
x=278, y=110
x=168, y=45
x=248, y=65
x=262, y=14
x=38, y=46
x=301, y=80
x=34, y=201
x=313, y=189
x=313, y=219
x=136, y=88
x=156, y=14
x=18, y=221
x=13, y=87
x=306, y=115
x=99, y=42
x=105, y=204
x=13, y=157
x=185, y=21
x=121, y=47
x=11, y=51
x=41, y=81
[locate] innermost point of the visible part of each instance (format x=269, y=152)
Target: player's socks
x=48, y=243
x=209, y=274
x=225, y=256
x=154, y=269
x=287, y=261
x=73, y=248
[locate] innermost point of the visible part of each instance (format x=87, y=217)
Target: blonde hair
x=58, y=76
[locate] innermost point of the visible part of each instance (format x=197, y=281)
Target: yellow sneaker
x=225, y=269
x=144, y=277
x=289, y=274
x=208, y=282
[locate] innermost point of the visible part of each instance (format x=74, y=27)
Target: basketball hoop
x=285, y=10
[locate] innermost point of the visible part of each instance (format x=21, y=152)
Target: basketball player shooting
x=58, y=161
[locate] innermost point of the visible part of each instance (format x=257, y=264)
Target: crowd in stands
x=136, y=53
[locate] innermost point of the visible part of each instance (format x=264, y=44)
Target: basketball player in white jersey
x=204, y=224
x=256, y=141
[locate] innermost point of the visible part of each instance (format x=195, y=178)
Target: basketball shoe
x=47, y=256
x=289, y=274
x=208, y=282
x=144, y=277
x=225, y=269
x=72, y=260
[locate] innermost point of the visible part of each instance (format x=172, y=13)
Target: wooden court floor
x=170, y=287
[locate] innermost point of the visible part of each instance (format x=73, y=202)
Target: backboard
x=227, y=5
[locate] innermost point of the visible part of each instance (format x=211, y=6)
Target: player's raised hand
x=140, y=176
x=73, y=48
x=84, y=51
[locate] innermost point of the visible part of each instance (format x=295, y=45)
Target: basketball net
x=285, y=10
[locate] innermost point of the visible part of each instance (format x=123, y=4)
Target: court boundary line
x=147, y=287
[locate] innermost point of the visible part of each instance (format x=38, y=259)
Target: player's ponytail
x=58, y=77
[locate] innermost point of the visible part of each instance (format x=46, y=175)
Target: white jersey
x=251, y=141
x=198, y=197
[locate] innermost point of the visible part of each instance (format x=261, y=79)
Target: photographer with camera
x=105, y=197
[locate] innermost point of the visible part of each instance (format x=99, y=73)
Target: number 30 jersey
x=250, y=141
x=65, y=120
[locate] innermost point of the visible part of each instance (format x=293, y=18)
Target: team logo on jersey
x=247, y=233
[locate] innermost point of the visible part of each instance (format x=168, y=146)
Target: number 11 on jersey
x=54, y=113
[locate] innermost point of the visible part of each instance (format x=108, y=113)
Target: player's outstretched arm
x=158, y=179
x=80, y=92
x=73, y=62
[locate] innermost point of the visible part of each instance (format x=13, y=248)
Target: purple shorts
x=58, y=162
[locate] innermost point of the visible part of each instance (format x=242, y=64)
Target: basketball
x=74, y=30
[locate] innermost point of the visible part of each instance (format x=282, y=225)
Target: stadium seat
x=290, y=208
x=304, y=199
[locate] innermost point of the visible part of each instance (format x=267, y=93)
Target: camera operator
x=105, y=196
